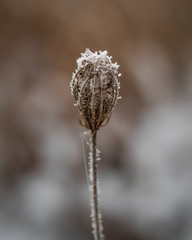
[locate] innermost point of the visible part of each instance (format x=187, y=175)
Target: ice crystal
x=93, y=196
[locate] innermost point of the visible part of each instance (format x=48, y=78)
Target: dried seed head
x=95, y=86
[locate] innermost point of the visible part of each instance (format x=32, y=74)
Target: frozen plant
x=95, y=86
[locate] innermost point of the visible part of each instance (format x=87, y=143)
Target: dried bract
x=95, y=86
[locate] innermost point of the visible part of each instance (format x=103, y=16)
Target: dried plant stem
x=94, y=191
x=95, y=86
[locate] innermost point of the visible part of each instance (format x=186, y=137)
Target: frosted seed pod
x=95, y=86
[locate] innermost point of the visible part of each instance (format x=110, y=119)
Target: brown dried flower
x=95, y=86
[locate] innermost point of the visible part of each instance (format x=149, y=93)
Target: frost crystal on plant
x=97, y=226
x=95, y=86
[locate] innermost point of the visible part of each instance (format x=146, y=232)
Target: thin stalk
x=94, y=192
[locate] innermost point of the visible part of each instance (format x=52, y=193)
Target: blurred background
x=146, y=148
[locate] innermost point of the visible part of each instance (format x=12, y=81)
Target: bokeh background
x=146, y=148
